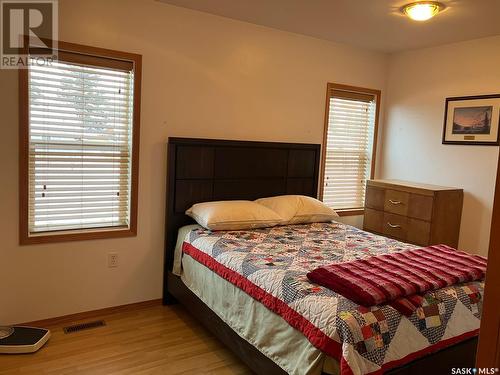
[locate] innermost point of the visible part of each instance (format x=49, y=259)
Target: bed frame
x=201, y=170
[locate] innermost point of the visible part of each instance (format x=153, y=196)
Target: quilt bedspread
x=271, y=265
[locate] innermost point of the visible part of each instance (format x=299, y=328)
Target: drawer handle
x=396, y=226
x=395, y=202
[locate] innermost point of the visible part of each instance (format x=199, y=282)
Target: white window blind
x=349, y=145
x=80, y=145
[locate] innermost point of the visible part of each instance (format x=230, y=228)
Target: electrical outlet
x=112, y=260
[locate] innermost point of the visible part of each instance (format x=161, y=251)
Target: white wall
x=203, y=76
x=417, y=86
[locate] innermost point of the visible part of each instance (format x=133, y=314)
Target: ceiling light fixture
x=423, y=10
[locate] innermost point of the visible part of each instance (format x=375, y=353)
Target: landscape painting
x=472, y=120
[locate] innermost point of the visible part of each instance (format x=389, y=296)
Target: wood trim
x=323, y=143
x=136, y=136
x=329, y=89
x=84, y=59
x=488, y=354
x=375, y=133
x=94, y=51
x=23, y=155
x=355, y=212
x=69, y=237
x=363, y=90
x=93, y=313
x=354, y=95
x=89, y=60
x=102, y=53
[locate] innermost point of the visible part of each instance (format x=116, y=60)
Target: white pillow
x=233, y=215
x=299, y=209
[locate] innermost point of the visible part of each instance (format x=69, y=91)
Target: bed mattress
x=270, y=266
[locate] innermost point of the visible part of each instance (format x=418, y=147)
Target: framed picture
x=472, y=120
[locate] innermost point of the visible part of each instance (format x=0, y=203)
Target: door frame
x=488, y=354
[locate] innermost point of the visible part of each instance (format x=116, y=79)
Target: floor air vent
x=83, y=326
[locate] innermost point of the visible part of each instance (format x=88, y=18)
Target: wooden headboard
x=201, y=170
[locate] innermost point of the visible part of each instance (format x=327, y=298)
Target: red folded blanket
x=389, y=278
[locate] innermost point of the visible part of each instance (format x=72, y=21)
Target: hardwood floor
x=149, y=340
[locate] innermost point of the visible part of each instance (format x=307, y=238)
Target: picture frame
x=472, y=120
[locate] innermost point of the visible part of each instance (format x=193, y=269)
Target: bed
x=205, y=170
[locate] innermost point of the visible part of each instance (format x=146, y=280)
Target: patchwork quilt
x=271, y=265
x=398, y=279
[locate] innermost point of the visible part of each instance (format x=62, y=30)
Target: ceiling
x=372, y=24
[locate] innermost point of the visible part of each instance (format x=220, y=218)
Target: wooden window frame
x=90, y=54
x=341, y=87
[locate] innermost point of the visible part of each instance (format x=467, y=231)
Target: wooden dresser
x=415, y=213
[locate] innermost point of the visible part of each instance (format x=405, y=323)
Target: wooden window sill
x=84, y=235
x=355, y=212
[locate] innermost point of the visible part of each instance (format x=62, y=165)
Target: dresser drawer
x=373, y=220
x=420, y=207
x=419, y=232
x=375, y=198
x=406, y=229
x=396, y=202
x=395, y=226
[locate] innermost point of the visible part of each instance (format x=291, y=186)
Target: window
x=348, y=146
x=79, y=145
